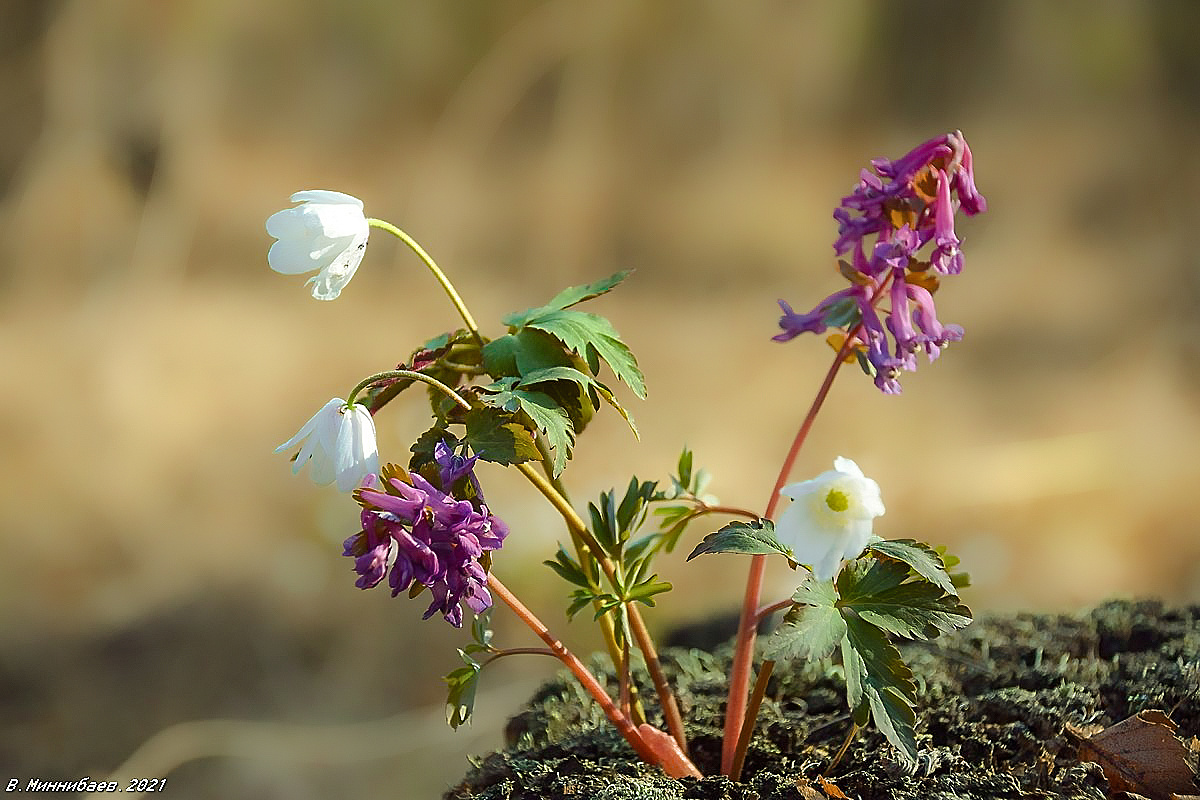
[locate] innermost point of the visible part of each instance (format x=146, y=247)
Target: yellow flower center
x=837, y=500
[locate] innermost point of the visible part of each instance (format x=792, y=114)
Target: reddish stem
x=636, y=739
x=743, y=653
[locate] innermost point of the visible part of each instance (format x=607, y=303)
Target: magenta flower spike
x=418, y=534
x=901, y=212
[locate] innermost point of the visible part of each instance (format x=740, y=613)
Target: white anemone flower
x=339, y=440
x=830, y=517
x=327, y=234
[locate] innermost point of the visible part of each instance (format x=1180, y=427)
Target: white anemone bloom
x=830, y=517
x=327, y=234
x=339, y=440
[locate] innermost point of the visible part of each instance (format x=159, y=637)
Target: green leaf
x=922, y=558
x=645, y=590
x=914, y=609
x=495, y=436
x=422, y=448
x=753, y=538
x=568, y=297
x=460, y=696
x=518, y=354
x=685, y=468
x=544, y=414
x=812, y=628
x=568, y=568
x=879, y=685
x=592, y=337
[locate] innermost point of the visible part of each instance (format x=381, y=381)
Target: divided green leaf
x=923, y=559
x=812, y=628
x=570, y=296
x=592, y=338
x=544, y=414
x=882, y=595
x=495, y=436
x=460, y=697
x=753, y=538
x=879, y=685
x=569, y=569
x=523, y=352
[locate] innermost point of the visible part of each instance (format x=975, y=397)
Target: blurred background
x=160, y=564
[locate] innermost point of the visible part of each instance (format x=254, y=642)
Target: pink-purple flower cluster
x=420, y=535
x=895, y=212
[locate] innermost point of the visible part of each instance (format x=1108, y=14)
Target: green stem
x=641, y=634
x=448, y=287
x=520, y=651
x=392, y=374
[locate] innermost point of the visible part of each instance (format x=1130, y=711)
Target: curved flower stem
x=448, y=287
x=393, y=374
x=585, y=678
x=743, y=652
x=637, y=625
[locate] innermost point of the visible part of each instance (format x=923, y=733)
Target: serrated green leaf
x=592, y=338
x=518, y=354
x=914, y=609
x=546, y=416
x=812, y=628
x=752, y=538
x=573, y=295
x=922, y=558
x=422, y=448
x=568, y=297
x=495, y=436
x=878, y=681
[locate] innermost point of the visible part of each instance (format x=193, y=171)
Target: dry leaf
x=831, y=790
x=1141, y=755
x=807, y=792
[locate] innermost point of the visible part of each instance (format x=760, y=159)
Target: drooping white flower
x=339, y=440
x=327, y=233
x=830, y=517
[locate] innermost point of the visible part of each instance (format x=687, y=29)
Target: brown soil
x=994, y=702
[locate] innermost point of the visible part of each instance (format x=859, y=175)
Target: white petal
x=325, y=196
x=329, y=282
x=847, y=466
x=858, y=533
x=819, y=548
x=307, y=428
x=337, y=221
x=356, y=454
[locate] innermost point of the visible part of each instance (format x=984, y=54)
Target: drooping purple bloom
x=419, y=534
x=896, y=211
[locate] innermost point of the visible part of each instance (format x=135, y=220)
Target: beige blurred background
x=161, y=564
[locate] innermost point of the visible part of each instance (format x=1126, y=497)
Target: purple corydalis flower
x=897, y=210
x=419, y=535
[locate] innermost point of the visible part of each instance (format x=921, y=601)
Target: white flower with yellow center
x=339, y=441
x=830, y=517
x=327, y=234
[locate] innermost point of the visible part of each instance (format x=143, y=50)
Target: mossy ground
x=994, y=701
